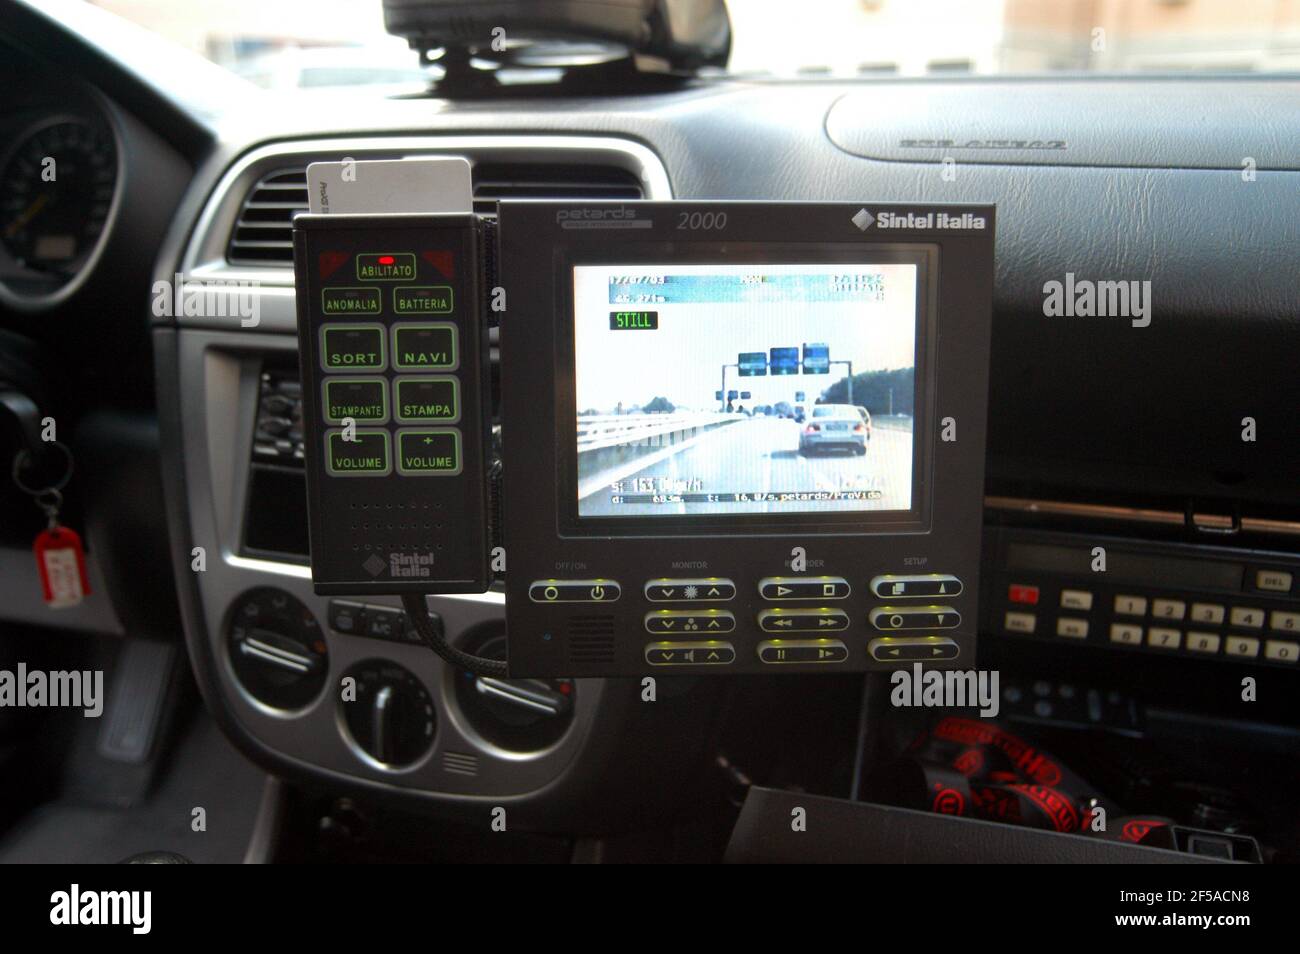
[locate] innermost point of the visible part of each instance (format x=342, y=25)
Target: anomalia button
x=428, y=452
x=353, y=348
x=425, y=400
x=425, y=347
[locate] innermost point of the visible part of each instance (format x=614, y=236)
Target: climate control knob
x=387, y=712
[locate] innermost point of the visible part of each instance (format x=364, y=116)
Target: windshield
x=315, y=44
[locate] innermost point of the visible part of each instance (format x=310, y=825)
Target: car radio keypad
x=1229, y=618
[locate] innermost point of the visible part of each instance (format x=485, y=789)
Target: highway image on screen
x=744, y=389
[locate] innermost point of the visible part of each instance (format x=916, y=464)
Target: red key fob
x=61, y=561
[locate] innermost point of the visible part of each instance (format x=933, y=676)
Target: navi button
x=689, y=622
x=781, y=651
x=820, y=620
x=574, y=591
x=899, y=587
x=710, y=590
x=707, y=652
x=912, y=648
x=425, y=347
x=803, y=588
x=367, y=456
x=914, y=617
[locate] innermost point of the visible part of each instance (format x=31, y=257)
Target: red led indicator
x=386, y=260
x=1019, y=593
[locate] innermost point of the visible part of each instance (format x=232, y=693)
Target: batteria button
x=352, y=348
x=914, y=617
x=574, y=591
x=691, y=653
x=366, y=456
x=422, y=300
x=782, y=651
x=709, y=590
x=803, y=588
x=427, y=346
x=819, y=620
x=902, y=587
x=691, y=622
x=912, y=648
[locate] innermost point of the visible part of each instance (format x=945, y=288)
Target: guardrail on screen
x=644, y=430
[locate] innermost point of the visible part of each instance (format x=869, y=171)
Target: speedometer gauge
x=56, y=192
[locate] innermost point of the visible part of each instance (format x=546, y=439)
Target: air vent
x=494, y=181
x=591, y=639
x=263, y=233
x=457, y=763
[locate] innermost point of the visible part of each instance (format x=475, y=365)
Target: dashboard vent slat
x=263, y=231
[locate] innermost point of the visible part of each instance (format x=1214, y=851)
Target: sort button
x=425, y=347
x=353, y=348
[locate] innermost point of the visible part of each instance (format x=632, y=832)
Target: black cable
x=417, y=611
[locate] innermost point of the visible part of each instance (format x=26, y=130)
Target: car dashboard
x=1165, y=445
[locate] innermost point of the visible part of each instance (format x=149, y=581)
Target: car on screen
x=834, y=427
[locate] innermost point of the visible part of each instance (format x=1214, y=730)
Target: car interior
x=369, y=435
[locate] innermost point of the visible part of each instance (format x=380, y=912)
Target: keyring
x=23, y=458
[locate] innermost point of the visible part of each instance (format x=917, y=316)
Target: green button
x=350, y=301
x=428, y=452
x=425, y=400
x=365, y=400
x=367, y=456
x=353, y=348
x=422, y=300
x=425, y=347
x=386, y=267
